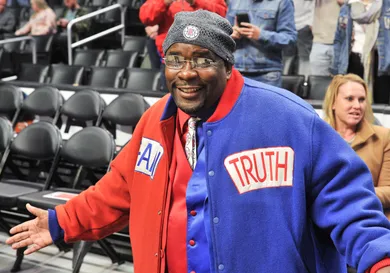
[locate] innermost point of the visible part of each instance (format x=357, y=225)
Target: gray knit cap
x=203, y=28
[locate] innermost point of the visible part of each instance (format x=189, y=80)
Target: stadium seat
x=126, y=109
x=11, y=100
x=43, y=45
x=82, y=108
x=106, y=77
x=32, y=72
x=317, y=86
x=135, y=43
x=89, y=149
x=124, y=59
x=293, y=83
x=88, y=57
x=41, y=157
x=6, y=133
x=142, y=79
x=45, y=102
x=65, y=74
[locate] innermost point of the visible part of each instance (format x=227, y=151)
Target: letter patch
x=261, y=168
x=149, y=155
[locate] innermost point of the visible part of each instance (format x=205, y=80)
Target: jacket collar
x=364, y=132
x=225, y=105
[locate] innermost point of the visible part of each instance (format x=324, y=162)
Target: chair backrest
x=84, y=105
x=106, y=77
x=40, y=142
x=32, y=72
x=43, y=43
x=44, y=101
x=318, y=86
x=89, y=57
x=293, y=83
x=135, y=43
x=142, y=79
x=6, y=133
x=65, y=74
x=126, y=109
x=91, y=147
x=11, y=100
x=124, y=59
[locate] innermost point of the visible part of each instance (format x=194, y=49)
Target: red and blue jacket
x=289, y=194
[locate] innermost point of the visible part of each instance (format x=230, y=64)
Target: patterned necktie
x=190, y=146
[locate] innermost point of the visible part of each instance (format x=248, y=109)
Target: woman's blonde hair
x=332, y=92
x=41, y=5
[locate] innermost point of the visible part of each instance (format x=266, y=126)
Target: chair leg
x=110, y=251
x=80, y=249
x=4, y=226
x=19, y=259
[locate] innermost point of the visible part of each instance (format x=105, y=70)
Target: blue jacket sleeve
x=56, y=232
x=285, y=33
x=343, y=200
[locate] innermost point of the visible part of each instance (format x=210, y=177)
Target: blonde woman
x=42, y=21
x=347, y=110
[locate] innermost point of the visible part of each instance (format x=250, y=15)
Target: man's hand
x=384, y=270
x=34, y=233
x=152, y=31
x=236, y=33
x=250, y=31
x=62, y=22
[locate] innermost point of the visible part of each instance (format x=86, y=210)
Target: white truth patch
x=261, y=168
x=149, y=155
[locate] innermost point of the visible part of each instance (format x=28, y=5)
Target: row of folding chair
x=42, y=151
x=314, y=88
x=112, y=77
x=83, y=107
x=107, y=58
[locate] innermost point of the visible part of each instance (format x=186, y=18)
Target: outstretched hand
x=34, y=234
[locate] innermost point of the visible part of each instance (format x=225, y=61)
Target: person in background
x=60, y=43
x=155, y=59
x=361, y=44
x=347, y=110
x=260, y=42
x=226, y=174
x=303, y=16
x=72, y=11
x=42, y=21
x=7, y=20
x=162, y=12
x=324, y=29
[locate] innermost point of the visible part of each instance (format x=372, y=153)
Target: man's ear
x=229, y=68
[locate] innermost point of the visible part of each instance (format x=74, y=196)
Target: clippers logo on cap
x=191, y=32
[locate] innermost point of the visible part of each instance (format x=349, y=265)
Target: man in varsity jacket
x=226, y=174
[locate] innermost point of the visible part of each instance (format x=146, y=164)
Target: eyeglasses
x=178, y=62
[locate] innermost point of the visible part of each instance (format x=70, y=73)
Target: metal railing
x=20, y=39
x=97, y=35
